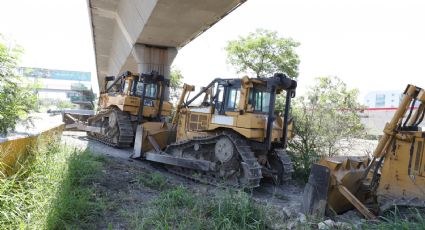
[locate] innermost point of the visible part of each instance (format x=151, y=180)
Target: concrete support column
x=150, y=58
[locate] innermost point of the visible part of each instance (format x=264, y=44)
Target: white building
x=381, y=106
x=383, y=99
x=58, y=84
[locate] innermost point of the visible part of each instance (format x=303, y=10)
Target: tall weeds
x=50, y=190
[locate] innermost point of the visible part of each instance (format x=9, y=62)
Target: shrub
x=323, y=118
x=16, y=96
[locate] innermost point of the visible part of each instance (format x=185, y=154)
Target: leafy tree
x=325, y=118
x=176, y=78
x=65, y=104
x=16, y=97
x=264, y=53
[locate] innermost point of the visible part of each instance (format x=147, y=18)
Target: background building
x=61, y=85
x=383, y=99
x=380, y=108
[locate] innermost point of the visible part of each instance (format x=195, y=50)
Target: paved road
x=81, y=141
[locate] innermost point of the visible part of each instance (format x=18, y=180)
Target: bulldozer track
x=123, y=132
x=288, y=167
x=252, y=173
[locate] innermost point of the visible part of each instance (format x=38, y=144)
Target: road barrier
x=13, y=148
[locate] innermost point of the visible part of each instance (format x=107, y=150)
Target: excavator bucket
x=316, y=191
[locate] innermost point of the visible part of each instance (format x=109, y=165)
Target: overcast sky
x=371, y=45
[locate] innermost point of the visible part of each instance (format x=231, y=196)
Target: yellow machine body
x=131, y=104
x=127, y=102
x=159, y=131
x=204, y=120
x=252, y=126
x=233, y=136
x=395, y=175
x=403, y=172
x=347, y=171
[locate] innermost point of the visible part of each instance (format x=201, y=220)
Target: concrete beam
x=121, y=27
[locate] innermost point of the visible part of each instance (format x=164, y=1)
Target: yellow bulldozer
x=227, y=134
x=126, y=101
x=395, y=176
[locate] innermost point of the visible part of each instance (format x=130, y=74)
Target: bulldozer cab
x=133, y=85
x=245, y=105
x=153, y=85
x=142, y=95
x=244, y=96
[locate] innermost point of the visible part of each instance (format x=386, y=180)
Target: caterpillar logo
x=148, y=102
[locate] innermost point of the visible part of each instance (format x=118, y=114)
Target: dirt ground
x=127, y=196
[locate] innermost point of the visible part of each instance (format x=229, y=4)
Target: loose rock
x=286, y=212
x=302, y=218
x=327, y=224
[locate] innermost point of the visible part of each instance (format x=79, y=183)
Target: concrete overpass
x=144, y=35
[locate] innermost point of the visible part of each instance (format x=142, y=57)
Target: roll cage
x=148, y=87
x=244, y=95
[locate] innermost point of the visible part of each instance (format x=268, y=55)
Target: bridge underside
x=142, y=35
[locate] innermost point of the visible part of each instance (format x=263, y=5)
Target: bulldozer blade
x=138, y=141
x=165, y=158
x=316, y=191
x=150, y=136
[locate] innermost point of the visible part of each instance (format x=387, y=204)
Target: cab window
x=125, y=88
x=260, y=100
x=233, y=98
x=150, y=90
x=218, y=99
x=139, y=89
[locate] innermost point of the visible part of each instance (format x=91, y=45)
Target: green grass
x=77, y=204
x=412, y=219
x=51, y=190
x=180, y=208
x=154, y=180
x=56, y=188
